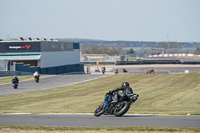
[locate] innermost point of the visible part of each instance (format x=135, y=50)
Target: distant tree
x=105, y=49
x=94, y=49
x=84, y=49
x=117, y=50
x=168, y=45
x=130, y=51
x=102, y=49
x=197, y=51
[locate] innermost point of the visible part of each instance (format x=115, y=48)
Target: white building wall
x=59, y=58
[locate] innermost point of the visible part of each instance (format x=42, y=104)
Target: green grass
x=159, y=94
x=131, y=128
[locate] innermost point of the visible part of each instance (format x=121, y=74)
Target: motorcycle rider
x=15, y=79
x=103, y=69
x=36, y=74
x=97, y=69
x=125, y=88
x=116, y=71
x=114, y=95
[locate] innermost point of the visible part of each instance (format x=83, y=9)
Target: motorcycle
x=151, y=71
x=97, y=70
x=15, y=85
x=37, y=79
x=124, y=70
x=103, y=71
x=118, y=109
x=116, y=71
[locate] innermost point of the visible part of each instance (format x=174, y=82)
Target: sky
x=111, y=20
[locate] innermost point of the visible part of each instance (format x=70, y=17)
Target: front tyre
x=15, y=85
x=99, y=111
x=121, y=108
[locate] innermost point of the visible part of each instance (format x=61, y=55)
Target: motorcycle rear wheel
x=99, y=111
x=122, y=109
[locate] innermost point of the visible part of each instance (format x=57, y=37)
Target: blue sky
x=129, y=20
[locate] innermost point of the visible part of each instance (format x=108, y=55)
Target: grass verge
x=131, y=128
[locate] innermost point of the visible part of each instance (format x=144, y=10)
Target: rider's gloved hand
x=110, y=92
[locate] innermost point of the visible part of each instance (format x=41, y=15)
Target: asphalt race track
x=91, y=120
x=47, y=82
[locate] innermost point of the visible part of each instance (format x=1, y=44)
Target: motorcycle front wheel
x=121, y=108
x=99, y=111
x=15, y=86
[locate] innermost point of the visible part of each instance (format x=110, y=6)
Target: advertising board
x=6, y=47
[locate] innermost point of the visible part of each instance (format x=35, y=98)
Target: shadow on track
x=130, y=115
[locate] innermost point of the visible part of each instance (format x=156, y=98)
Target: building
x=44, y=56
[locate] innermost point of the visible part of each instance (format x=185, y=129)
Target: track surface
x=90, y=120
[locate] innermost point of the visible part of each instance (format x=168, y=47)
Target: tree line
x=120, y=49
x=102, y=49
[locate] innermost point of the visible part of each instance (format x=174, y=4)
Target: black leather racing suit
x=116, y=94
x=15, y=80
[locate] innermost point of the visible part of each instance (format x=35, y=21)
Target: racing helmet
x=125, y=85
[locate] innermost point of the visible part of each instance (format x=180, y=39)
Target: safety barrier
x=171, y=55
x=143, y=62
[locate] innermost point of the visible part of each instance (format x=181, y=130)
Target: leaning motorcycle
x=116, y=71
x=118, y=109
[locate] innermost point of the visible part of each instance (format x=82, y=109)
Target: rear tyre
x=99, y=111
x=121, y=108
